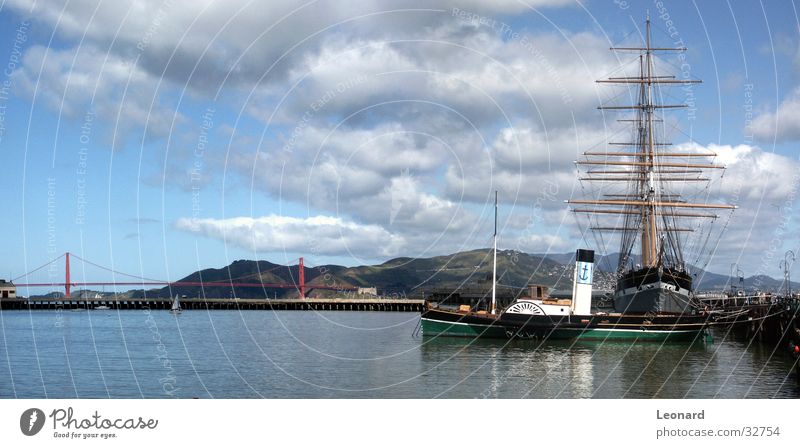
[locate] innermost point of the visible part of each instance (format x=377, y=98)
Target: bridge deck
x=334, y=304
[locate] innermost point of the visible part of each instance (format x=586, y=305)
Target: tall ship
x=640, y=191
x=640, y=185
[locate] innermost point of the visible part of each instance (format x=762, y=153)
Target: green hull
x=432, y=327
x=447, y=323
x=629, y=335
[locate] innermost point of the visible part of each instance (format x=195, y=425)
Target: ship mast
x=494, y=263
x=650, y=207
x=649, y=231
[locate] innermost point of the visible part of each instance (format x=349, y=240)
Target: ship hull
x=607, y=327
x=449, y=323
x=611, y=334
x=660, y=328
x=654, y=291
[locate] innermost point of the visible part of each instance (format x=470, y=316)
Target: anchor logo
x=585, y=273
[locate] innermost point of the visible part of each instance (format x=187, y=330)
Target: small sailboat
x=176, y=305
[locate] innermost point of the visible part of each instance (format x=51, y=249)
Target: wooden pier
x=771, y=323
x=776, y=323
x=310, y=304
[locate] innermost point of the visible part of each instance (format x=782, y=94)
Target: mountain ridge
x=406, y=276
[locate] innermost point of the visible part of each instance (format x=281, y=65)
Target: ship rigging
x=651, y=211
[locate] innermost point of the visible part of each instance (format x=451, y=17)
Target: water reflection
x=608, y=369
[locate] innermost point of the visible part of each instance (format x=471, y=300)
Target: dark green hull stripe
x=431, y=327
x=628, y=335
x=440, y=328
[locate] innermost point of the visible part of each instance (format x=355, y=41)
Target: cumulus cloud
x=320, y=235
x=385, y=177
x=404, y=217
x=238, y=41
x=470, y=71
x=391, y=122
x=760, y=184
x=755, y=174
x=527, y=165
x=437, y=72
x=73, y=81
x=328, y=168
x=254, y=53
x=783, y=124
x=765, y=187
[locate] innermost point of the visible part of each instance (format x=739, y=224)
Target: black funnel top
x=585, y=255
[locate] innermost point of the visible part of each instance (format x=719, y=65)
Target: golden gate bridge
x=299, y=284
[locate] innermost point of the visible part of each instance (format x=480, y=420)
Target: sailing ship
x=650, y=209
x=653, y=299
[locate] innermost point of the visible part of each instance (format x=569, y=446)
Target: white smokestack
x=582, y=284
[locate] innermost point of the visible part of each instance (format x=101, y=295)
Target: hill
x=399, y=276
x=413, y=276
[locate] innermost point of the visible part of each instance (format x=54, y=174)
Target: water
x=252, y=354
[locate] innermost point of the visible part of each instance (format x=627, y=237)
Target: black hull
x=654, y=291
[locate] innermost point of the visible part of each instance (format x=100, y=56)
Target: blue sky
x=158, y=139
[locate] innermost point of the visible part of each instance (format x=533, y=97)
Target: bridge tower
x=66, y=278
x=302, y=276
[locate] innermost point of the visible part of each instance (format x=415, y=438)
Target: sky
x=159, y=137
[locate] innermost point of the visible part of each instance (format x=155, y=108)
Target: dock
x=308, y=304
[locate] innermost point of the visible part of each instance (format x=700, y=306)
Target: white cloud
x=751, y=174
x=384, y=177
x=765, y=187
x=319, y=235
x=471, y=73
x=526, y=165
x=200, y=44
x=403, y=219
x=73, y=81
x=759, y=183
x=502, y=6
x=328, y=168
x=781, y=125
x=452, y=78
x=446, y=111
